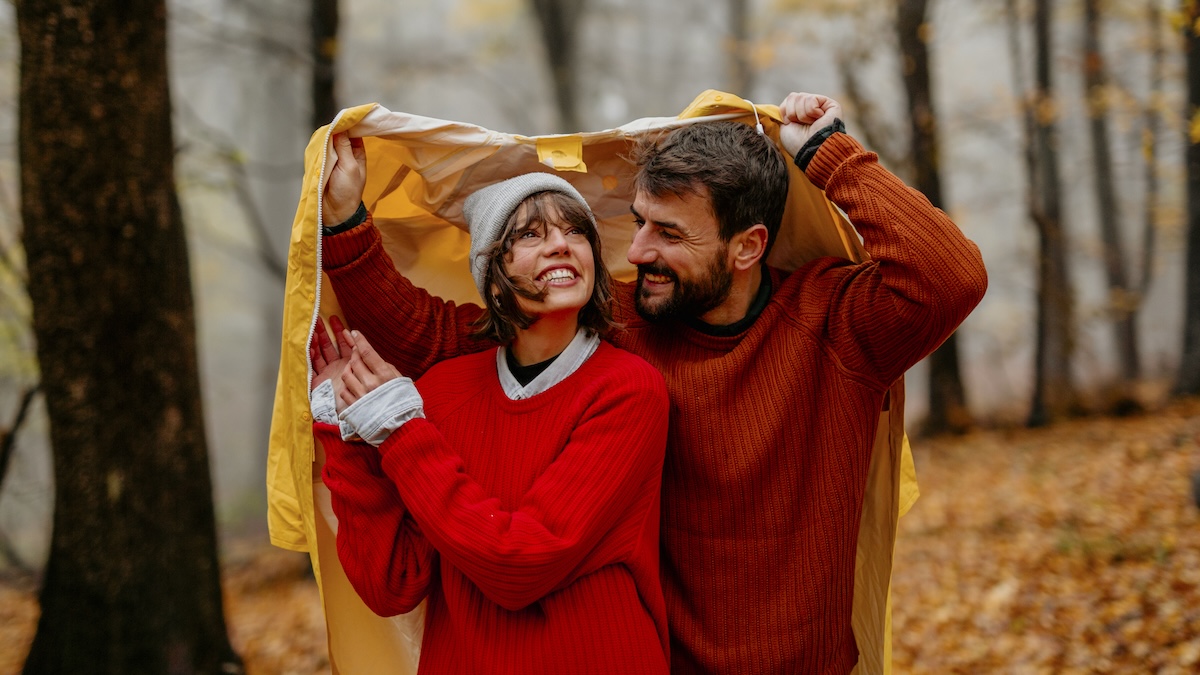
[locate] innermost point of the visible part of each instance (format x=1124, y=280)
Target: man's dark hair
x=504, y=316
x=744, y=173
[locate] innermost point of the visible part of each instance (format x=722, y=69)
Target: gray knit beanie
x=488, y=209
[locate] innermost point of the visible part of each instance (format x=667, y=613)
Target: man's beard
x=688, y=299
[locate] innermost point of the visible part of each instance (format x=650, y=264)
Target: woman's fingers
x=355, y=387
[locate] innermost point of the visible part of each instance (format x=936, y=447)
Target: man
x=776, y=380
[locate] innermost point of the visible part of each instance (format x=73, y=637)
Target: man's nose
x=640, y=252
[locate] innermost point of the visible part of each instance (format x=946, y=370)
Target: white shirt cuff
x=375, y=416
x=324, y=408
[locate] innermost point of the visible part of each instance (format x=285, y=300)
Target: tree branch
x=8, y=437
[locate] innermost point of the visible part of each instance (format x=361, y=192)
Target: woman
x=516, y=488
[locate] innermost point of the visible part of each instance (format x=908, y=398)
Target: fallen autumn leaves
x=1070, y=549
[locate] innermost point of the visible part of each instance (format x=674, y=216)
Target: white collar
x=580, y=349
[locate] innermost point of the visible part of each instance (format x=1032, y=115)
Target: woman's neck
x=545, y=338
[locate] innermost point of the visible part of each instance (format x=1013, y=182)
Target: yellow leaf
x=1194, y=127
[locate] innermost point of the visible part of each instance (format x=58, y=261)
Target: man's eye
x=669, y=236
x=639, y=224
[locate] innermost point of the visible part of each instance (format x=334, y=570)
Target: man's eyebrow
x=661, y=224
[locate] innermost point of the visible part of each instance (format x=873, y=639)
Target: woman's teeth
x=557, y=274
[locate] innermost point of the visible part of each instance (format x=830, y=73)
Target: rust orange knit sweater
x=771, y=430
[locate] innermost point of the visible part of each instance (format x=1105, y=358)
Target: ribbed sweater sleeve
x=410, y=328
x=518, y=556
x=385, y=557
x=924, y=276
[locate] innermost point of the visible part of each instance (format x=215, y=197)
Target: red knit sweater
x=531, y=525
x=771, y=429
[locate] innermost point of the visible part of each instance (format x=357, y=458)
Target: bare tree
x=559, y=24
x=1121, y=305
x=132, y=583
x=740, y=65
x=1152, y=123
x=1054, y=394
x=324, y=58
x=1189, y=368
x=948, y=410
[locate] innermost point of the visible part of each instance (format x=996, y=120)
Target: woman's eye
x=576, y=230
x=528, y=234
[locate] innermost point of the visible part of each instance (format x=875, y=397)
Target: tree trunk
x=559, y=24
x=1121, y=297
x=324, y=53
x=1152, y=125
x=948, y=412
x=1189, y=367
x=1054, y=393
x=132, y=582
x=741, y=70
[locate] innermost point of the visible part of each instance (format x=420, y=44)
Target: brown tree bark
x=1121, y=296
x=324, y=22
x=132, y=582
x=1054, y=394
x=558, y=21
x=1152, y=121
x=948, y=412
x=1189, y=367
x=739, y=65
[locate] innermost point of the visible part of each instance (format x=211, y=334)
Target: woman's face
x=554, y=256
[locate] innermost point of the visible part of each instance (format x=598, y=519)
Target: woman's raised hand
x=347, y=178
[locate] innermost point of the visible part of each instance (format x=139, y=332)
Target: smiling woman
x=516, y=489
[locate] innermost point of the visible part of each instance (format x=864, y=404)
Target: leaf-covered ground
x=1074, y=549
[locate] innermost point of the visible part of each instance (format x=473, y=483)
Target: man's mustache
x=656, y=268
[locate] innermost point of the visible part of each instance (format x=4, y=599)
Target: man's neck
x=545, y=338
x=741, y=296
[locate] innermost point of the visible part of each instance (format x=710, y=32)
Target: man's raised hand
x=804, y=115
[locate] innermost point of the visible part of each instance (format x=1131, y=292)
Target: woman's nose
x=556, y=240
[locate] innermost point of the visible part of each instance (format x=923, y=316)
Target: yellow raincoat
x=419, y=170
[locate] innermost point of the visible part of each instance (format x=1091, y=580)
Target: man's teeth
x=556, y=274
x=657, y=278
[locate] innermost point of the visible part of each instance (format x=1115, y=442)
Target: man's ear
x=748, y=247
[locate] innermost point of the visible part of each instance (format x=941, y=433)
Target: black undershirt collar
x=525, y=374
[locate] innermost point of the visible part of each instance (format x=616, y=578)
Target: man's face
x=683, y=266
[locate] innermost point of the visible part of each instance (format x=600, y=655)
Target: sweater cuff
x=834, y=152
x=809, y=150
x=357, y=218
x=342, y=249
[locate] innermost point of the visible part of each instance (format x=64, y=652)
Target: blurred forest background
x=1058, y=135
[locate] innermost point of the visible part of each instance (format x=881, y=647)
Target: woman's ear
x=749, y=246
